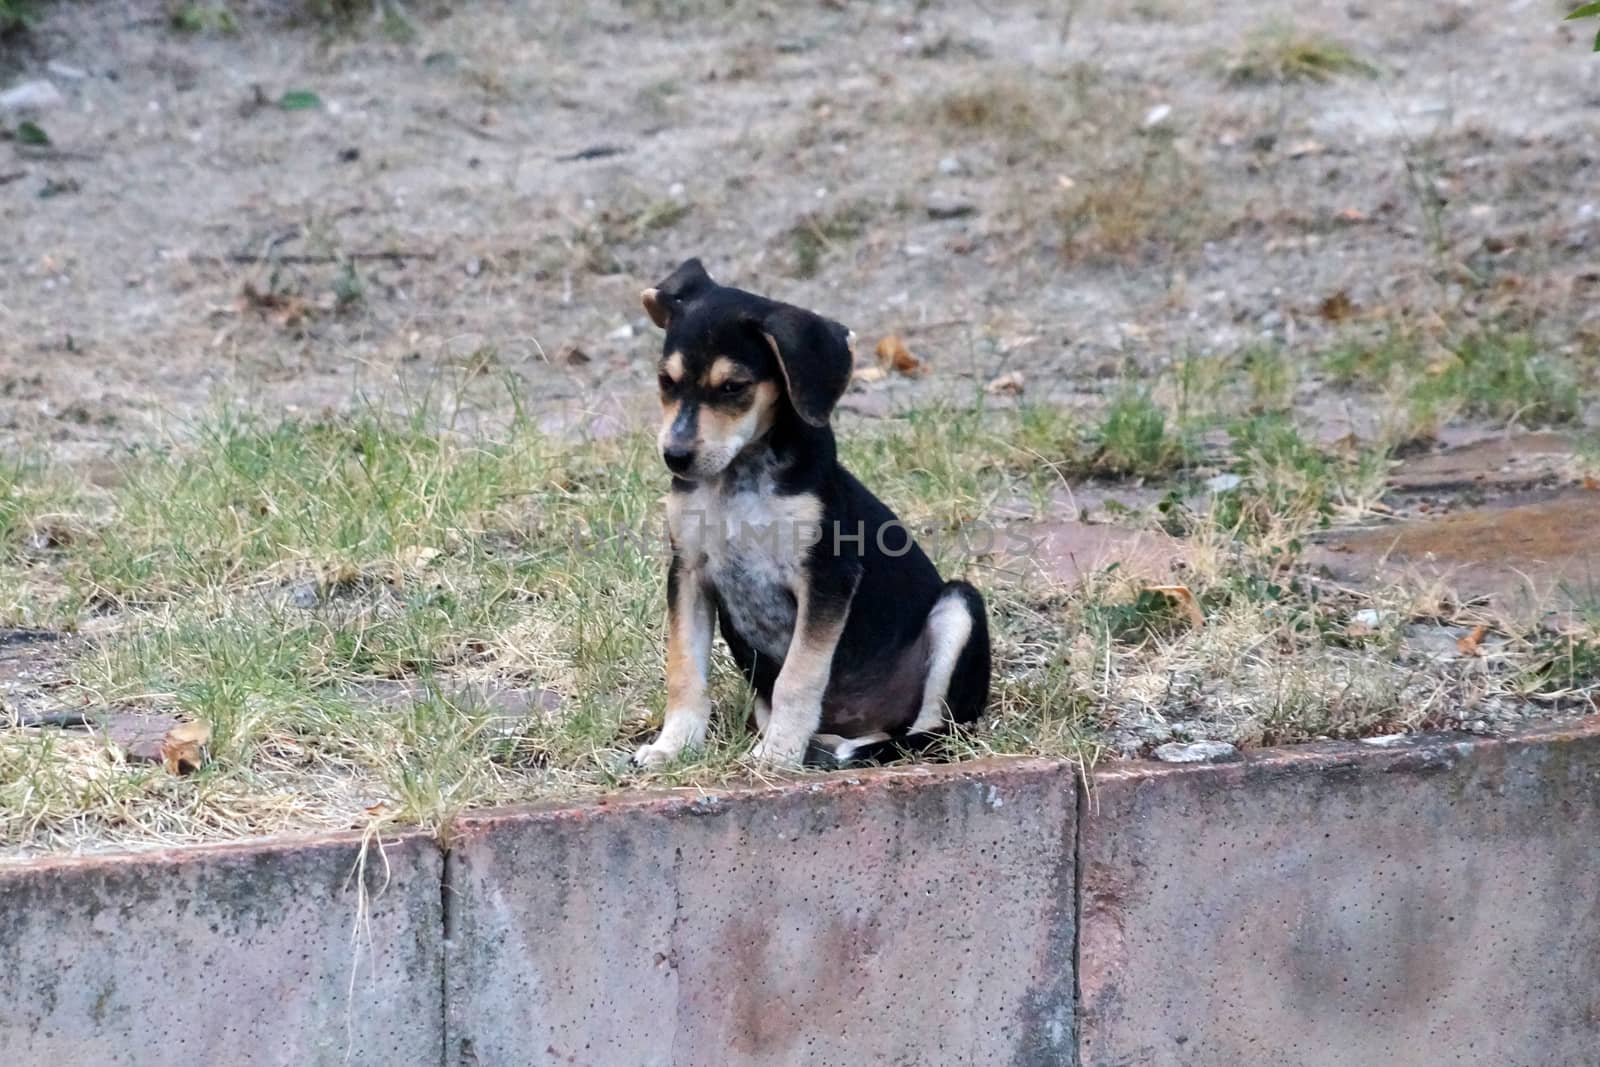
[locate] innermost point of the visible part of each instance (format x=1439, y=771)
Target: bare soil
x=493, y=192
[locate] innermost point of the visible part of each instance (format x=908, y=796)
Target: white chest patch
x=750, y=544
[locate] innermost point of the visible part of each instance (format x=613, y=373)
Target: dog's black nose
x=678, y=458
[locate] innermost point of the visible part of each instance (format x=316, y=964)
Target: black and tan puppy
x=853, y=643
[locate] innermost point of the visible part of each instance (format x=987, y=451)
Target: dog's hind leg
x=957, y=684
x=954, y=689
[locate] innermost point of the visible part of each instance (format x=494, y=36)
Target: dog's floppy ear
x=814, y=356
x=664, y=301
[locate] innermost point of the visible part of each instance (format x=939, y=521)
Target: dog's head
x=733, y=364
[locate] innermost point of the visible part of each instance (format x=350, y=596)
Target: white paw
x=657, y=753
x=778, y=750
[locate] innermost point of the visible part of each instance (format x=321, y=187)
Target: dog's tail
x=832, y=752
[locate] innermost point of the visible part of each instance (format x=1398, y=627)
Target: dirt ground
x=531, y=166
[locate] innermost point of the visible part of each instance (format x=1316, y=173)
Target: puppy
x=853, y=644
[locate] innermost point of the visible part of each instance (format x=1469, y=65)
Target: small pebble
x=1195, y=752
x=36, y=94
x=1222, y=483
x=1157, y=115
x=946, y=207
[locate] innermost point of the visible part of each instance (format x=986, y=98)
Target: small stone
x=34, y=94
x=474, y=267
x=951, y=167
x=1195, y=752
x=1370, y=617
x=1222, y=483
x=941, y=206
x=62, y=70
x=621, y=333
x=1008, y=384
x=1157, y=115
x=1384, y=741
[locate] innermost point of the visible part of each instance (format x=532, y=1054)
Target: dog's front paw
x=656, y=754
x=684, y=728
x=776, y=749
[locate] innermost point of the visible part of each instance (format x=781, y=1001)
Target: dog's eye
x=733, y=388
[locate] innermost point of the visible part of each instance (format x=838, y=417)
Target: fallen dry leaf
x=285, y=309
x=1185, y=600
x=183, y=749
x=1591, y=483
x=894, y=355
x=1352, y=214
x=1468, y=645
x=870, y=374
x=1008, y=384
x=1337, y=307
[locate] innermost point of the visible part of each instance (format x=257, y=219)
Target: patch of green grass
x=343, y=16
x=1272, y=377
x=202, y=18
x=1133, y=439
x=1289, y=485
x=1372, y=362
x=16, y=15
x=1508, y=377
x=1278, y=55
x=1486, y=373
x=1566, y=664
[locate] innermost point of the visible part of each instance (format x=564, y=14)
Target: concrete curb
x=1329, y=905
x=234, y=954
x=897, y=917
x=1341, y=905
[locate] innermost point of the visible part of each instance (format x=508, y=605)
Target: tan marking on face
x=672, y=366
x=731, y=431
x=723, y=369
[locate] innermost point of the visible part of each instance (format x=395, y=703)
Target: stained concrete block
x=1344, y=906
x=262, y=953
x=902, y=917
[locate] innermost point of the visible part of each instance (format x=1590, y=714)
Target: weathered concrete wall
x=1326, y=906
x=237, y=955
x=1344, y=906
x=903, y=917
